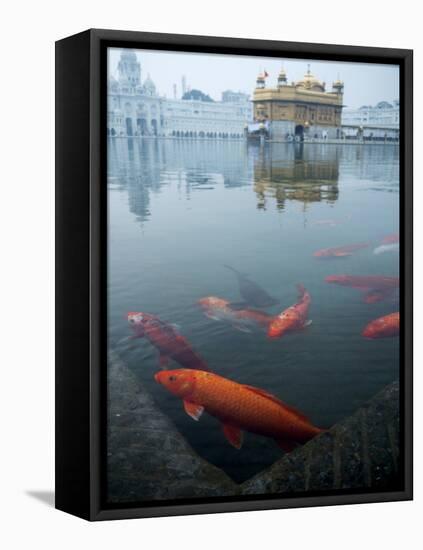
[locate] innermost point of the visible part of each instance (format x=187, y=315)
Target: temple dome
x=149, y=86
x=261, y=81
x=128, y=55
x=282, y=79
x=310, y=82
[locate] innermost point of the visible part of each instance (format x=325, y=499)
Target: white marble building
x=134, y=108
x=192, y=118
x=383, y=115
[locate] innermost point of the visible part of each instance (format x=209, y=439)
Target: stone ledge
x=359, y=452
x=148, y=459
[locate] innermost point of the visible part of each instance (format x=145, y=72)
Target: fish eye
x=172, y=378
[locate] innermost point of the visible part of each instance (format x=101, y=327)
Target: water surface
x=179, y=210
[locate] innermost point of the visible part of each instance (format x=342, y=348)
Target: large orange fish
x=339, y=251
x=238, y=407
x=170, y=344
x=375, y=287
x=383, y=327
x=292, y=318
x=219, y=309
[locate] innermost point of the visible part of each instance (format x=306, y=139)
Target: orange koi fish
x=219, y=309
x=238, y=407
x=383, y=327
x=375, y=287
x=170, y=344
x=292, y=318
x=340, y=251
x=391, y=239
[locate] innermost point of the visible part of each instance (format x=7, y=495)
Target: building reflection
x=288, y=172
x=144, y=167
x=276, y=172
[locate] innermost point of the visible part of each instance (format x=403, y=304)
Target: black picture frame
x=81, y=252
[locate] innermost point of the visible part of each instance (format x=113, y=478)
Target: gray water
x=179, y=210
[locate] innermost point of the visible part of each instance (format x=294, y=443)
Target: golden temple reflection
x=284, y=173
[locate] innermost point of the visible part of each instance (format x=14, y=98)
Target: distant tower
x=129, y=68
x=338, y=86
x=260, y=82
x=174, y=91
x=184, y=85
x=282, y=80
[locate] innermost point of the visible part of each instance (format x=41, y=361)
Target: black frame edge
x=89, y=446
x=406, y=98
x=72, y=387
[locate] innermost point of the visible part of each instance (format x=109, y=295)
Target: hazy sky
x=365, y=84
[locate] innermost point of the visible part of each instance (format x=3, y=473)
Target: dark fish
x=252, y=293
x=169, y=343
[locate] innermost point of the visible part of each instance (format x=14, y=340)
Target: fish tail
x=301, y=290
x=235, y=270
x=318, y=431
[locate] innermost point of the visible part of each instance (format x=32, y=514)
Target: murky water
x=179, y=210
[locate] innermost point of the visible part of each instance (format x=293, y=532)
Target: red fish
x=238, y=407
x=391, y=239
x=292, y=318
x=164, y=337
x=383, y=327
x=219, y=309
x=340, y=251
x=375, y=287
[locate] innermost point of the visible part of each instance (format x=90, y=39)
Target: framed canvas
x=234, y=255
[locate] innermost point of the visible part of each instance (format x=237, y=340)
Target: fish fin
x=275, y=399
x=343, y=254
x=193, y=410
x=175, y=326
x=241, y=328
x=212, y=317
x=127, y=342
x=234, y=435
x=286, y=444
x=164, y=361
x=307, y=323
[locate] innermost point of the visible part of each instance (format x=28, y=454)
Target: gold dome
x=282, y=77
x=261, y=81
x=338, y=84
x=310, y=82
